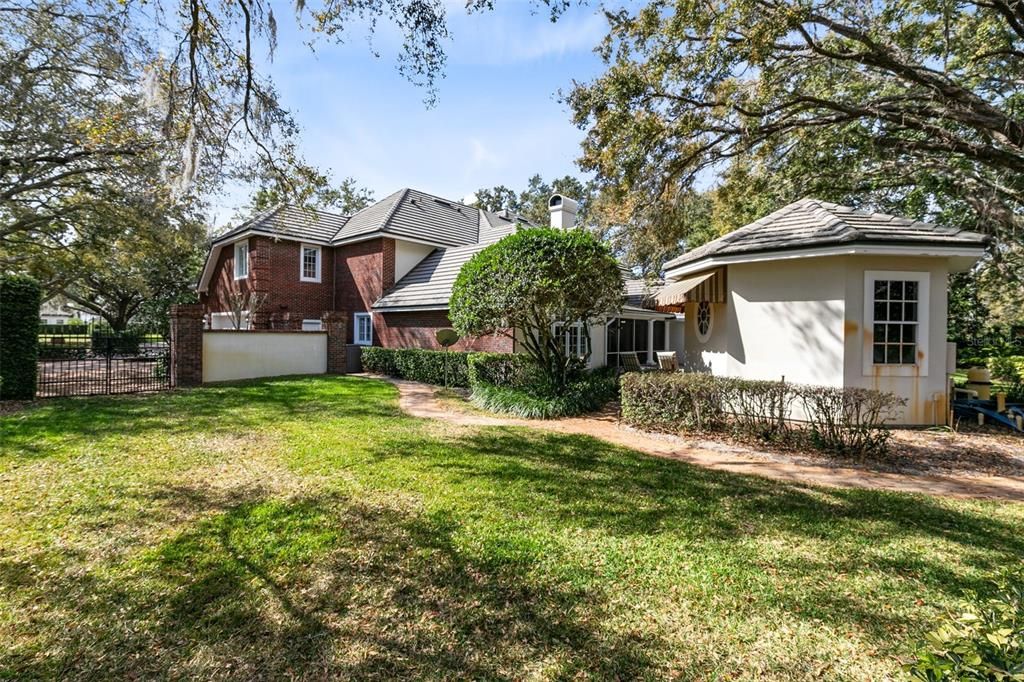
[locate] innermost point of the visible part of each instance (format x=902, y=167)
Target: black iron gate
x=95, y=360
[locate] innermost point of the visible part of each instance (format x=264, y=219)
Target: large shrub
x=20, y=298
x=981, y=640
x=530, y=280
x=848, y=421
x=587, y=392
x=417, y=364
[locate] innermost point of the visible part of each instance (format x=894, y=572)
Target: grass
x=305, y=528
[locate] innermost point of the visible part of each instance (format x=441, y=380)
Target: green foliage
x=897, y=105
x=843, y=421
x=508, y=370
x=532, y=202
x=982, y=640
x=587, y=392
x=417, y=364
x=20, y=298
x=673, y=402
x=312, y=187
x=528, y=281
x=1010, y=370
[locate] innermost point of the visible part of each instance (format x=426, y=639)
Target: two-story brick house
x=389, y=267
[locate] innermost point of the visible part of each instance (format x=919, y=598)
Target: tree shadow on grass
x=321, y=587
x=53, y=426
x=885, y=540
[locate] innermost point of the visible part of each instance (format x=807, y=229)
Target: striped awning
x=675, y=293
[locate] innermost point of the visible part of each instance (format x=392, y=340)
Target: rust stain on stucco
x=850, y=327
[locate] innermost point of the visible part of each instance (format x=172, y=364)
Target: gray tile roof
x=416, y=215
x=429, y=283
x=811, y=223
x=291, y=222
x=639, y=292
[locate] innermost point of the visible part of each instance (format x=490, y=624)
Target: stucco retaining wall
x=231, y=355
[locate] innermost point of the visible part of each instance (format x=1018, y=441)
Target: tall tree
x=907, y=104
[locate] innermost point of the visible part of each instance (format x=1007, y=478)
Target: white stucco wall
x=407, y=255
x=230, y=355
x=925, y=395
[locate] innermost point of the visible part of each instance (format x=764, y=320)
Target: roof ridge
x=394, y=208
x=850, y=233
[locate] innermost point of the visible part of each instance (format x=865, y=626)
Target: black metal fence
x=95, y=360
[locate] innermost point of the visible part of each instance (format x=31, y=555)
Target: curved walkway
x=418, y=400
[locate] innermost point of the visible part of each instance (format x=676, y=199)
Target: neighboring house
x=390, y=268
x=58, y=310
x=824, y=294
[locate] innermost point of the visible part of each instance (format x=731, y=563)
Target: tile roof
x=429, y=283
x=291, y=222
x=810, y=223
x=416, y=215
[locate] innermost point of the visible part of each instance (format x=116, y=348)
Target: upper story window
x=363, y=332
x=309, y=263
x=241, y=260
x=896, y=311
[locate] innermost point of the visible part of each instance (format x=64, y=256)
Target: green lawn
x=304, y=527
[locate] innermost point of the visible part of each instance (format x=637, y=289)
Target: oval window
x=704, y=321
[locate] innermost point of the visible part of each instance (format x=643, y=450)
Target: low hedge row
x=417, y=364
x=840, y=420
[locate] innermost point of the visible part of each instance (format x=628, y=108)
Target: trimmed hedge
x=418, y=364
x=107, y=342
x=840, y=420
x=587, y=393
x=20, y=298
x=507, y=370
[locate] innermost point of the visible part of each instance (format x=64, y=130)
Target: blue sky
x=497, y=120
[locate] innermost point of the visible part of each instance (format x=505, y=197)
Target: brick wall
x=186, y=345
x=274, y=271
x=416, y=330
x=363, y=271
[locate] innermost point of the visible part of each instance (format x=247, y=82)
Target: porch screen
x=627, y=336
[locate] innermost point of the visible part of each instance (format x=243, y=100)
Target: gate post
x=186, y=345
x=335, y=326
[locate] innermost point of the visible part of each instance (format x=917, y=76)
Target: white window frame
x=239, y=246
x=920, y=366
x=302, y=262
x=581, y=338
x=355, y=329
x=312, y=325
x=704, y=338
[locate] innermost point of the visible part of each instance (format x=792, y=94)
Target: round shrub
x=20, y=298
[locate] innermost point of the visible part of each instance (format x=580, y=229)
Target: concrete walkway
x=418, y=400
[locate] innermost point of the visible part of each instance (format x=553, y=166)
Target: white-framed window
x=312, y=326
x=704, y=321
x=241, y=260
x=573, y=337
x=363, y=329
x=309, y=263
x=896, y=315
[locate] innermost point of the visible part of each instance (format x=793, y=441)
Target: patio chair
x=631, y=363
x=667, y=361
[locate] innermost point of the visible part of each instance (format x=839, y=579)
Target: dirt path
x=418, y=400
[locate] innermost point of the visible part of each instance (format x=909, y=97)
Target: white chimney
x=563, y=212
